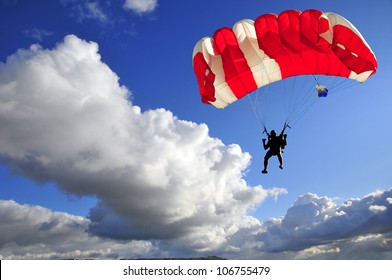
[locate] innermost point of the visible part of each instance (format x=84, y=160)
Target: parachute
x=237, y=61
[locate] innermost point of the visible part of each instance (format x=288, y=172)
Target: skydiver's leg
x=280, y=158
x=266, y=158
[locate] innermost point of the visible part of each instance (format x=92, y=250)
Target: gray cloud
x=33, y=232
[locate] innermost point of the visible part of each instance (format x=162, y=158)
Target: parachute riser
x=286, y=125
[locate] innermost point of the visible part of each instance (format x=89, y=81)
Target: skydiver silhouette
x=275, y=145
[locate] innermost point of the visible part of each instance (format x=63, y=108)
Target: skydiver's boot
x=280, y=161
x=264, y=171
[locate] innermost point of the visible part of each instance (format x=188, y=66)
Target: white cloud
x=112, y=16
x=141, y=6
x=377, y=208
x=321, y=250
x=86, y=10
x=38, y=34
x=308, y=210
x=95, y=11
x=64, y=118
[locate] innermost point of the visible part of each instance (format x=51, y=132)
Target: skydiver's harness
x=286, y=125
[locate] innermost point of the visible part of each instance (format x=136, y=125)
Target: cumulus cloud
x=353, y=217
x=378, y=208
x=316, y=227
x=33, y=232
x=141, y=6
x=64, y=118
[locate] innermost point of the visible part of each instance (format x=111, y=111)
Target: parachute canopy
x=237, y=61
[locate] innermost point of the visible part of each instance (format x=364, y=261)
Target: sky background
x=106, y=150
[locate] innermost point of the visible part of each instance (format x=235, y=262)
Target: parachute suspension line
x=309, y=98
x=290, y=106
x=315, y=79
x=334, y=82
x=303, y=96
x=300, y=94
x=303, y=112
x=259, y=119
x=289, y=89
x=301, y=99
x=338, y=83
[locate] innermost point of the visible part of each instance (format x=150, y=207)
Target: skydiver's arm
x=265, y=145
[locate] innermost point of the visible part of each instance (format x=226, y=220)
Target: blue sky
x=104, y=140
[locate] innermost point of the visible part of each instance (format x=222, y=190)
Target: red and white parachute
x=237, y=61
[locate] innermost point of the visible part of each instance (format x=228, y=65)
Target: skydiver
x=275, y=145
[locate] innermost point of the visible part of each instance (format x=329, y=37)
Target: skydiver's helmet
x=273, y=133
